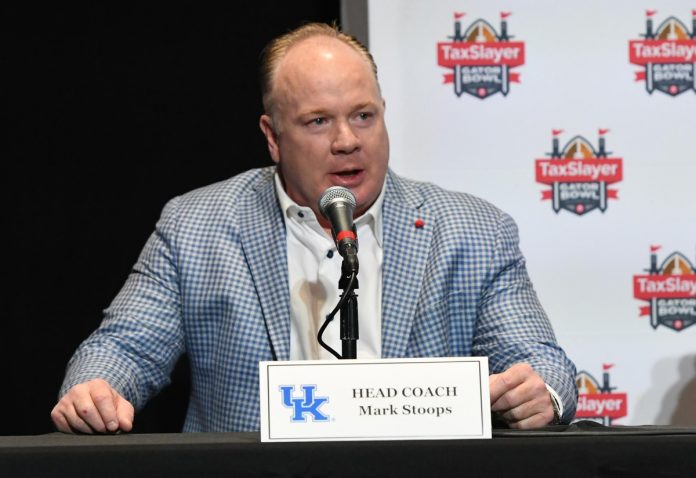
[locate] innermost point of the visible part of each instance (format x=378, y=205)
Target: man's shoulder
x=219, y=203
x=229, y=189
x=440, y=201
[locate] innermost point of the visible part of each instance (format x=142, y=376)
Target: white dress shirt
x=314, y=268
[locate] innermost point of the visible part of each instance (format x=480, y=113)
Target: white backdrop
x=576, y=77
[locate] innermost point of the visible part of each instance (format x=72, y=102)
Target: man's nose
x=345, y=140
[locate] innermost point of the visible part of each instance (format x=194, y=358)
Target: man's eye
x=318, y=121
x=364, y=116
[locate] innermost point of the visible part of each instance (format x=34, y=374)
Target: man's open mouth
x=350, y=172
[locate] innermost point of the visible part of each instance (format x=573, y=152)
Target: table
x=580, y=450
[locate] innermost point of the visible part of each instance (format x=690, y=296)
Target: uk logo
x=668, y=55
x=579, y=175
x=669, y=289
x=598, y=401
x=480, y=58
x=306, y=405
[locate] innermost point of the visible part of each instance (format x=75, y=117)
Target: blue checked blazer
x=212, y=281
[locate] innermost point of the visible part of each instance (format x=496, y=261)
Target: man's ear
x=266, y=125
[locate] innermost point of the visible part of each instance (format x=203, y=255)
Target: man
x=241, y=271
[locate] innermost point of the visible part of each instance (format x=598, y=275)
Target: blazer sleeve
x=512, y=327
x=141, y=335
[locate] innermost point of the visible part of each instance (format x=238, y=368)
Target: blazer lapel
x=262, y=231
x=406, y=246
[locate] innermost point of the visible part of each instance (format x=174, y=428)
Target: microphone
x=337, y=205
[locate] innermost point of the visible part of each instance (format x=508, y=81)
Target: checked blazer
x=212, y=282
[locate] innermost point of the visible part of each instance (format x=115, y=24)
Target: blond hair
x=277, y=48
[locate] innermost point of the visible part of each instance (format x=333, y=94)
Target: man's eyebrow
x=314, y=112
x=324, y=112
x=367, y=104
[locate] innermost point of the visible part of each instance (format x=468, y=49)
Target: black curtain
x=111, y=110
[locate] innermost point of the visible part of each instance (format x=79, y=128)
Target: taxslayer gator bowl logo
x=670, y=291
x=579, y=175
x=598, y=402
x=668, y=55
x=480, y=58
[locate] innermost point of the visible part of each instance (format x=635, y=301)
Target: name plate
x=385, y=399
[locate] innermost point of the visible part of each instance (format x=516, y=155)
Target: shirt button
x=329, y=254
x=301, y=214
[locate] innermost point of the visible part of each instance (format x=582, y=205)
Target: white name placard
x=387, y=399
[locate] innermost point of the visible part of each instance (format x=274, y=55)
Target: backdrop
x=111, y=110
x=577, y=118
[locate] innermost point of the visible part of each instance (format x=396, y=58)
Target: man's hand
x=93, y=407
x=521, y=397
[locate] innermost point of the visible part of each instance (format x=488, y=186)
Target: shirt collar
x=303, y=214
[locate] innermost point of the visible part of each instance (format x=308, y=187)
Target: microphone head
x=337, y=205
x=336, y=195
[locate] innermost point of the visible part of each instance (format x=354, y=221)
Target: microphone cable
x=349, y=289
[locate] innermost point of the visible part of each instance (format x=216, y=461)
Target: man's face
x=328, y=124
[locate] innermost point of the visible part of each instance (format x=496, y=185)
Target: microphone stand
x=349, y=314
x=337, y=205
